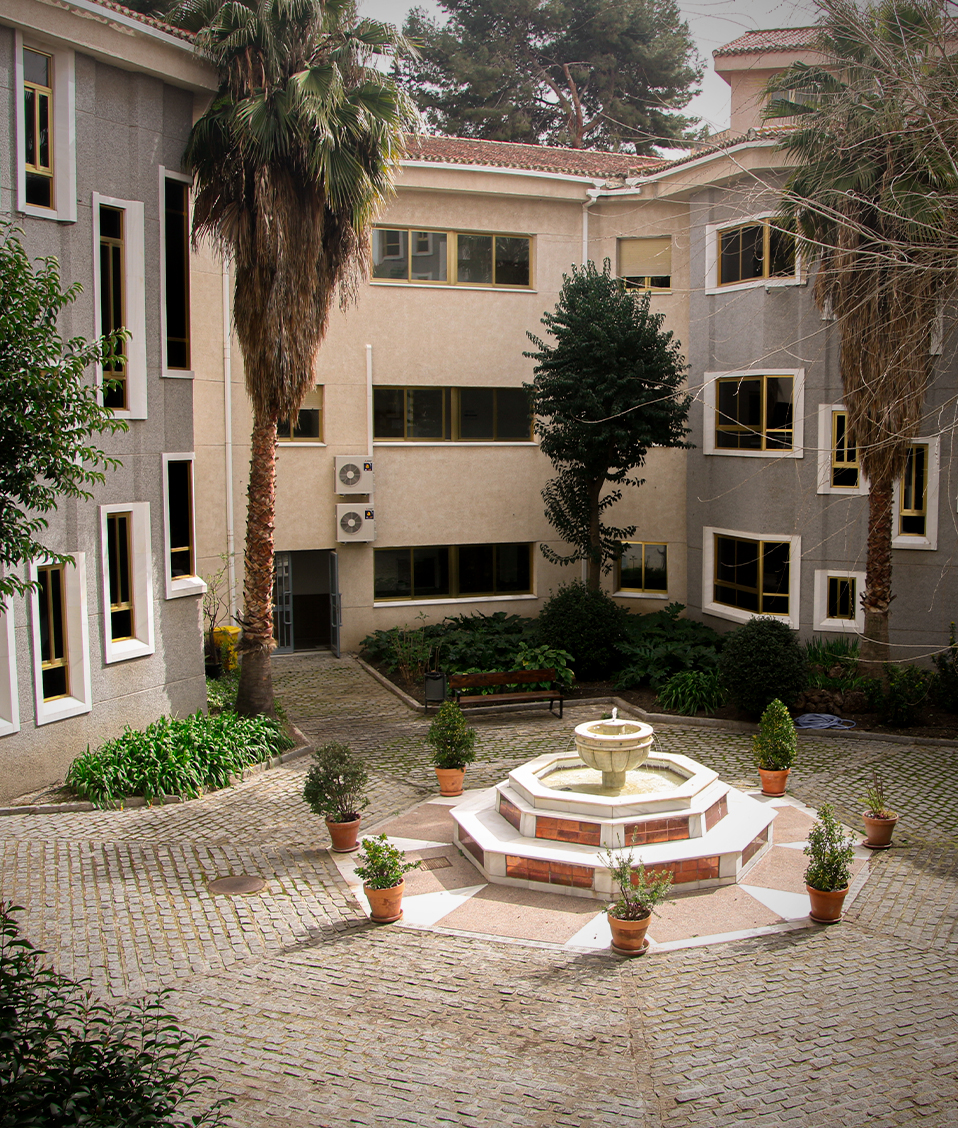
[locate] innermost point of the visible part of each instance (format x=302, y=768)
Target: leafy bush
x=830, y=852
x=829, y=652
x=453, y=742
x=67, y=1060
x=588, y=624
x=382, y=865
x=775, y=744
x=692, y=690
x=905, y=691
x=640, y=890
x=945, y=688
x=221, y=692
x=335, y=784
x=175, y=757
x=761, y=661
x=660, y=644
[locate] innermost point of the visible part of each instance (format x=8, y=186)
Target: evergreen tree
x=603, y=74
x=606, y=391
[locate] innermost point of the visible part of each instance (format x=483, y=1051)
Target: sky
x=712, y=23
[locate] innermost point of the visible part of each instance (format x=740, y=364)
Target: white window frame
x=134, y=299
x=78, y=644
x=825, y=458
x=929, y=542
x=844, y=626
x=9, y=686
x=710, y=400
x=64, y=131
x=736, y=614
x=171, y=373
x=141, y=563
x=712, y=231
x=183, y=585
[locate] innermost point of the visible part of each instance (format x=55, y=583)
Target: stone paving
x=318, y=1018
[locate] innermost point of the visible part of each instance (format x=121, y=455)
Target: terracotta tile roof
x=722, y=141
x=178, y=32
x=535, y=158
x=771, y=39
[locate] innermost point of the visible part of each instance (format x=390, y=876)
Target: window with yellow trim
x=913, y=510
x=754, y=413
x=51, y=612
x=643, y=567
x=752, y=251
x=841, y=598
x=451, y=258
x=112, y=302
x=119, y=533
x=452, y=571
x=845, y=472
x=645, y=263
x=38, y=127
x=308, y=426
x=451, y=415
x=752, y=575
x=176, y=236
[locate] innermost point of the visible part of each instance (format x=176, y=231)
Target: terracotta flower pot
x=385, y=905
x=628, y=936
x=774, y=782
x=345, y=835
x=826, y=905
x=450, y=780
x=879, y=831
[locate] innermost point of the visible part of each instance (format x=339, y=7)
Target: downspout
x=228, y=438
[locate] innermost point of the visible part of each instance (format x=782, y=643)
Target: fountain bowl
x=613, y=747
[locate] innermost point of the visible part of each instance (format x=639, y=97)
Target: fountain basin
x=613, y=747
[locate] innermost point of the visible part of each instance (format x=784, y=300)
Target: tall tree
x=603, y=74
x=874, y=198
x=293, y=158
x=603, y=393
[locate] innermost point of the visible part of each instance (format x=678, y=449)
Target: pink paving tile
x=725, y=909
x=784, y=869
x=503, y=910
x=431, y=821
x=458, y=874
x=791, y=825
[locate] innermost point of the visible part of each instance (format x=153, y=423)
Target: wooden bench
x=459, y=682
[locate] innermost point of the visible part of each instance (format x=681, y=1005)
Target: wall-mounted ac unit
x=355, y=523
x=354, y=474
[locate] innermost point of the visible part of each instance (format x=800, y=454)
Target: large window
x=38, y=127
x=453, y=572
x=753, y=251
x=752, y=575
x=181, y=575
x=127, y=581
x=643, y=567
x=451, y=414
x=845, y=470
x=913, y=502
x=61, y=651
x=176, y=272
x=45, y=130
x=308, y=425
x=646, y=264
x=451, y=257
x=754, y=413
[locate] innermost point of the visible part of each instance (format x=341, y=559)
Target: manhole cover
x=436, y=863
x=240, y=884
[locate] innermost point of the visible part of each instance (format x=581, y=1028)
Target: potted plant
x=775, y=746
x=382, y=867
x=639, y=893
x=879, y=818
x=828, y=873
x=335, y=787
x=453, y=745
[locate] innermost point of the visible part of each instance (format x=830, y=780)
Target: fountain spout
x=613, y=748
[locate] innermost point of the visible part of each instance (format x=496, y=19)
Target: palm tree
x=291, y=161
x=873, y=198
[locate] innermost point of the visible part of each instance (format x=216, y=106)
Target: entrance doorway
x=301, y=601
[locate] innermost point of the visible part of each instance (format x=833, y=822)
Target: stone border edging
x=404, y=697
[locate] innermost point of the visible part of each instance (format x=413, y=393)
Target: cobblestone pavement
x=318, y=1018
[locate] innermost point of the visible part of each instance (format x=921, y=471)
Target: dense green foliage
x=775, y=744
x=760, y=661
x=601, y=74
x=382, y=865
x=587, y=624
x=660, y=645
x=50, y=415
x=830, y=853
x=175, y=757
x=945, y=688
x=639, y=892
x=221, y=692
x=335, y=784
x=905, y=690
x=453, y=743
x=606, y=389
x=692, y=690
x=67, y=1060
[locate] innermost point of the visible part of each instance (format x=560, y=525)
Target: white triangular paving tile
x=426, y=909
x=414, y=843
x=789, y=906
x=595, y=934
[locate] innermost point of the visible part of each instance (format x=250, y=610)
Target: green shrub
x=945, y=688
x=775, y=744
x=692, y=690
x=221, y=692
x=588, y=624
x=829, y=652
x=660, y=644
x=761, y=661
x=452, y=741
x=335, y=785
x=830, y=852
x=382, y=865
x=905, y=690
x=66, y=1060
x=175, y=757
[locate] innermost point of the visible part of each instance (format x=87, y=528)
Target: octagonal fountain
x=549, y=823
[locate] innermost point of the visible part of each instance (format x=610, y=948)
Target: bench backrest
x=514, y=677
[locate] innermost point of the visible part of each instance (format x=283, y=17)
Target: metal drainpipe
x=228, y=437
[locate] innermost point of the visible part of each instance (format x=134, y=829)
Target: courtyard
x=489, y=1007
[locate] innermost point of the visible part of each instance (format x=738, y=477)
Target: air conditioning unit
x=355, y=523
x=354, y=474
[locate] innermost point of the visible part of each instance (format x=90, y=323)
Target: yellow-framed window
x=645, y=263
x=38, y=127
x=176, y=232
x=846, y=471
x=754, y=413
x=473, y=258
x=751, y=251
x=308, y=426
x=180, y=501
x=644, y=567
x=752, y=575
x=112, y=302
x=51, y=608
x=913, y=510
x=473, y=414
x=452, y=571
x=842, y=598
x=119, y=532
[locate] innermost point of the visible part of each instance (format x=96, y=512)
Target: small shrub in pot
x=335, y=787
x=453, y=743
x=383, y=867
x=828, y=873
x=639, y=893
x=775, y=745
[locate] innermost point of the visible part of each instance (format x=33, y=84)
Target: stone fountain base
x=523, y=832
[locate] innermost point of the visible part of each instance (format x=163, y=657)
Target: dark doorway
x=301, y=601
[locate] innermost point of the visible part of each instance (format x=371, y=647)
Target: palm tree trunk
x=255, y=694
x=877, y=596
